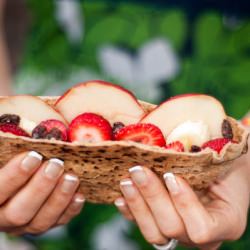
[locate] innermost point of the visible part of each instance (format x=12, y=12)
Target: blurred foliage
x=215, y=59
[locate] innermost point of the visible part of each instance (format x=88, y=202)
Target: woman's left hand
x=177, y=212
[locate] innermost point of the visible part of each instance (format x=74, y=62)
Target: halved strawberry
x=50, y=129
x=176, y=145
x=89, y=127
x=216, y=144
x=13, y=129
x=145, y=133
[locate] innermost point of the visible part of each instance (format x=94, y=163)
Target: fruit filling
x=98, y=111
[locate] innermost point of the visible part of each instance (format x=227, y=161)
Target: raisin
x=195, y=149
x=55, y=134
x=117, y=126
x=226, y=129
x=10, y=119
x=39, y=132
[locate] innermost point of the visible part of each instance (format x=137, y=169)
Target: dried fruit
x=117, y=126
x=10, y=119
x=226, y=129
x=50, y=129
x=195, y=149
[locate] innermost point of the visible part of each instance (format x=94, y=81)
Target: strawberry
x=216, y=144
x=50, y=129
x=89, y=127
x=13, y=129
x=145, y=133
x=176, y=145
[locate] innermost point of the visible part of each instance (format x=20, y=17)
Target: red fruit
x=176, y=145
x=145, y=133
x=50, y=129
x=13, y=129
x=89, y=127
x=216, y=144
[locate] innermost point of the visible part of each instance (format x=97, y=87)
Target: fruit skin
x=226, y=129
x=93, y=127
x=117, y=126
x=176, y=145
x=143, y=133
x=50, y=129
x=102, y=98
x=216, y=144
x=10, y=119
x=13, y=129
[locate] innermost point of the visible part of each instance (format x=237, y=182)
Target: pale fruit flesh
x=30, y=109
x=194, y=108
x=107, y=100
x=190, y=133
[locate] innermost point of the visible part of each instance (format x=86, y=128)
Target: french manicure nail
x=31, y=161
x=54, y=168
x=119, y=202
x=78, y=202
x=171, y=183
x=138, y=175
x=127, y=187
x=69, y=183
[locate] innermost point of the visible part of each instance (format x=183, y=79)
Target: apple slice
x=190, y=107
x=112, y=102
x=30, y=109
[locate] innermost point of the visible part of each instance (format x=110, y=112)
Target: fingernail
x=31, y=161
x=54, y=168
x=119, y=202
x=138, y=175
x=171, y=183
x=78, y=202
x=69, y=183
x=127, y=188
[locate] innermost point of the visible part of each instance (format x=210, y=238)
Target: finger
x=157, y=198
x=121, y=205
x=202, y=227
x=55, y=205
x=73, y=209
x=17, y=172
x=26, y=203
x=141, y=213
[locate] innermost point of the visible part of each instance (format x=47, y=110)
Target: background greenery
x=214, y=58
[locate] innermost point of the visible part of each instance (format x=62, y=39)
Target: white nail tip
x=35, y=155
x=135, y=168
x=79, y=200
x=57, y=161
x=126, y=182
x=119, y=203
x=168, y=176
x=69, y=177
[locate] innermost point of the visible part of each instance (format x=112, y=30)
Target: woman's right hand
x=36, y=196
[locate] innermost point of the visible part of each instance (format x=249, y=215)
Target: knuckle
x=173, y=232
x=201, y=237
x=154, y=239
x=15, y=218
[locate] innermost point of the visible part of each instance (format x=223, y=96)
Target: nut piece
x=226, y=129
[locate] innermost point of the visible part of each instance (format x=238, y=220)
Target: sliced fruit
x=112, y=102
x=10, y=119
x=189, y=133
x=190, y=107
x=143, y=133
x=50, y=129
x=216, y=144
x=89, y=127
x=195, y=149
x=13, y=129
x=31, y=110
x=176, y=146
x=226, y=129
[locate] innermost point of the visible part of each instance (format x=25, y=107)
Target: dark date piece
x=226, y=129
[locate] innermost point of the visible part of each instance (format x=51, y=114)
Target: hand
x=177, y=212
x=36, y=196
